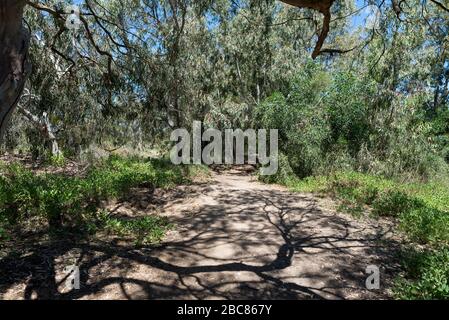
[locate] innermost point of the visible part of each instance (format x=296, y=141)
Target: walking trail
x=234, y=238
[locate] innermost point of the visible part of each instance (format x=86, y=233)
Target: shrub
x=330, y=122
x=64, y=200
x=301, y=120
x=393, y=202
x=426, y=225
x=56, y=160
x=284, y=173
x=426, y=277
x=19, y=193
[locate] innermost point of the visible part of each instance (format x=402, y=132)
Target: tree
x=14, y=66
x=14, y=44
x=108, y=37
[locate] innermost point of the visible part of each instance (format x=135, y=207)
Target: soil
x=234, y=238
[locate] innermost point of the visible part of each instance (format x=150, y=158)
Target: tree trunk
x=43, y=125
x=55, y=151
x=14, y=66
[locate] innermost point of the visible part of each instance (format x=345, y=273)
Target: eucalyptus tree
x=100, y=45
x=111, y=41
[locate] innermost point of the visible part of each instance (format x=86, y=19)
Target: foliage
x=145, y=230
x=332, y=120
x=72, y=201
x=283, y=175
x=427, y=275
x=426, y=225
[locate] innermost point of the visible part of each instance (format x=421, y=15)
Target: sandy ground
x=235, y=238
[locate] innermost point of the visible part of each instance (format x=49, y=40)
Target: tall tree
x=14, y=66
x=104, y=43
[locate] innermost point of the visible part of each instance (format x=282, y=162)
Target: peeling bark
x=14, y=66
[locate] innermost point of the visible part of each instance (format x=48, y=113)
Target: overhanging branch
x=322, y=6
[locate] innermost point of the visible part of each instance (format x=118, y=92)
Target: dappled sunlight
x=251, y=241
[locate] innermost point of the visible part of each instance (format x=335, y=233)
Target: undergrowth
x=66, y=201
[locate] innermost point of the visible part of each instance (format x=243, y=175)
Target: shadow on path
x=236, y=239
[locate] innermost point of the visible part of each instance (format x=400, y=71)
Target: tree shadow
x=261, y=244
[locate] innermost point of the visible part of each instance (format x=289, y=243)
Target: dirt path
x=235, y=238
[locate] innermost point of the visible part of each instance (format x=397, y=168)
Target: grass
x=427, y=274
x=144, y=230
x=434, y=194
x=66, y=201
x=422, y=214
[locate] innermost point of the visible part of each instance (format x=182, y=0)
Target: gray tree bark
x=14, y=65
x=44, y=125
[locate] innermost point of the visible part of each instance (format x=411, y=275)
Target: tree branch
x=323, y=6
x=439, y=4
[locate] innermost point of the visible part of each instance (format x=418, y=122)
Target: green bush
x=56, y=160
x=426, y=277
x=330, y=122
x=426, y=225
x=393, y=202
x=64, y=200
x=284, y=173
x=19, y=193
x=301, y=120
